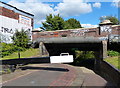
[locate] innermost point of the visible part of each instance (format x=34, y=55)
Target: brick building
x=12, y=19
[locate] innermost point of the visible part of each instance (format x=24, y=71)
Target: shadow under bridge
x=58, y=45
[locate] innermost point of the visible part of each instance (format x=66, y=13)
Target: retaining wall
x=110, y=73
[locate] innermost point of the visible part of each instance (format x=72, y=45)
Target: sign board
x=25, y=20
x=61, y=59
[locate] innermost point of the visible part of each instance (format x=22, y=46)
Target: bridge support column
x=43, y=50
x=100, y=55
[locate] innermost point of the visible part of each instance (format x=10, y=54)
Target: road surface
x=52, y=75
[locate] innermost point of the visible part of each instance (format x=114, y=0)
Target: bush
x=21, y=39
x=82, y=55
x=7, y=49
x=113, y=53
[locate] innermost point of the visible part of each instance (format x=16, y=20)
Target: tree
x=57, y=23
x=53, y=23
x=72, y=23
x=113, y=19
x=20, y=39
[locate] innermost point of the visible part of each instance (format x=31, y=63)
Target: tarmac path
x=52, y=75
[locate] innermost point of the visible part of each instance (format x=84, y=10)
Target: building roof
x=16, y=8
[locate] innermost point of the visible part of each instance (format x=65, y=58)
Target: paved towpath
x=53, y=75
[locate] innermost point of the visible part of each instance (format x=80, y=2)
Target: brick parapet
x=86, y=32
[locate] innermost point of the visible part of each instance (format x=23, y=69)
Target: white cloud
x=88, y=25
x=40, y=21
x=73, y=8
x=65, y=9
x=116, y=3
x=35, y=7
x=97, y=5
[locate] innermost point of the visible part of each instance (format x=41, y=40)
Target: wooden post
x=19, y=53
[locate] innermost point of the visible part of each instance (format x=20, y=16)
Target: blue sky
x=88, y=13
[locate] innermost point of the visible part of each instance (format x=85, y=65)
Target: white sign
x=24, y=20
x=61, y=59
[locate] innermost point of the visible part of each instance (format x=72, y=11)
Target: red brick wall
x=0, y=10
x=116, y=30
x=95, y=32
x=10, y=13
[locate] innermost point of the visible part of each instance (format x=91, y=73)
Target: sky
x=87, y=12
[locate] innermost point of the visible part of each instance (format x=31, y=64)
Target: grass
x=115, y=61
x=24, y=54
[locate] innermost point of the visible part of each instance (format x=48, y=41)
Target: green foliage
x=113, y=19
x=57, y=23
x=114, y=61
x=72, y=23
x=20, y=39
x=7, y=49
x=113, y=53
x=53, y=23
x=24, y=54
x=82, y=55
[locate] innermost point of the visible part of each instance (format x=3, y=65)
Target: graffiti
x=114, y=38
x=7, y=30
x=106, y=29
x=103, y=38
x=5, y=38
x=8, y=33
x=79, y=32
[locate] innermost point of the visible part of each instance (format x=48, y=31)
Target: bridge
x=83, y=38
x=99, y=39
x=86, y=39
